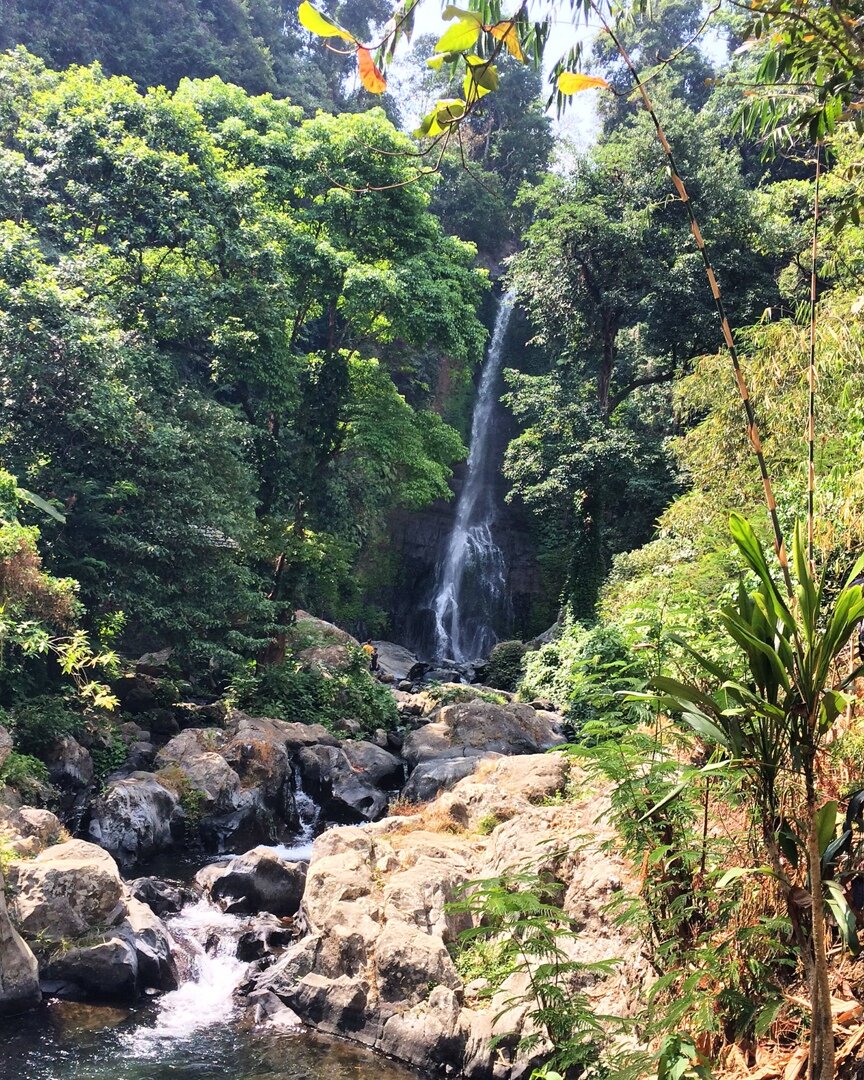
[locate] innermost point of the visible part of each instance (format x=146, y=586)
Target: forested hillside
x=315, y=330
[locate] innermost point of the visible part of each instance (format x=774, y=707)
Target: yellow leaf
x=506, y=32
x=317, y=23
x=572, y=82
x=461, y=36
x=370, y=76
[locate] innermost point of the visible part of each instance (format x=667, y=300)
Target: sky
x=579, y=124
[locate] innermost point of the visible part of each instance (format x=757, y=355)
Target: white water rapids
x=471, y=588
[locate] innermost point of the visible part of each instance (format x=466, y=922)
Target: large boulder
x=474, y=728
x=344, y=792
x=27, y=830
x=70, y=765
x=228, y=814
x=67, y=891
x=260, y=881
x=374, y=764
x=259, y=755
x=135, y=817
x=19, y=969
x=162, y=897
x=376, y=964
x=394, y=660
x=307, y=625
x=439, y=774
x=105, y=969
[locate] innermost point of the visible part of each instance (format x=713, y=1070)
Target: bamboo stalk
x=811, y=377
x=750, y=414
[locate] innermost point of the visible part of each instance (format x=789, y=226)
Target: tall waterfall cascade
x=471, y=596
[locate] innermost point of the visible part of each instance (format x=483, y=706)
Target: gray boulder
x=431, y=777
x=19, y=969
x=374, y=764
x=260, y=881
x=70, y=766
x=473, y=727
x=343, y=791
x=66, y=892
x=394, y=660
x=135, y=818
x=162, y=897
x=106, y=969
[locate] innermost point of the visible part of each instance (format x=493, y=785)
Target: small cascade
x=309, y=813
x=210, y=974
x=471, y=596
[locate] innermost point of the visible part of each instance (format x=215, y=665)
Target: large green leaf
x=40, y=504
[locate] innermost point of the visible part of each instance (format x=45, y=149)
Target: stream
x=196, y=1032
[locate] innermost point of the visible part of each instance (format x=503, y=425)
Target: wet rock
x=162, y=897
x=394, y=660
x=473, y=727
x=343, y=791
x=135, y=818
x=432, y=777
x=106, y=970
x=154, y=947
x=19, y=969
x=263, y=937
x=260, y=881
x=374, y=764
x=70, y=766
x=65, y=892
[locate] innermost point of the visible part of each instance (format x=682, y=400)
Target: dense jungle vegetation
x=240, y=321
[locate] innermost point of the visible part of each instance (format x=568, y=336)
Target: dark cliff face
x=418, y=543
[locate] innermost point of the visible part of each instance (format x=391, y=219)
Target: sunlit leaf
x=461, y=36
x=318, y=23
x=574, y=82
x=40, y=504
x=370, y=76
x=482, y=78
x=506, y=32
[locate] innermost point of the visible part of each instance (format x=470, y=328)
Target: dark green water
x=65, y=1041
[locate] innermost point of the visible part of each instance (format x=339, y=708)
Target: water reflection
x=69, y=1041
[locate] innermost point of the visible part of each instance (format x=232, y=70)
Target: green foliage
x=586, y=673
x=457, y=695
x=27, y=774
x=38, y=722
x=310, y=695
x=108, y=752
x=242, y=334
x=505, y=665
x=520, y=927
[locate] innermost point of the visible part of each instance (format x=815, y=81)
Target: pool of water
x=68, y=1041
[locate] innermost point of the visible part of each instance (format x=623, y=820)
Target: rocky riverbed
x=350, y=936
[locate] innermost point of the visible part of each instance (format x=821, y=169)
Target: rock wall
x=376, y=965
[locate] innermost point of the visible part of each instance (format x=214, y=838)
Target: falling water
x=471, y=594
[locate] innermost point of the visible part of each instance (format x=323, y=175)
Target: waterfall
x=471, y=590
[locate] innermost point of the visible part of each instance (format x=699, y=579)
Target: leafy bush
x=27, y=774
x=459, y=695
x=504, y=669
x=36, y=724
x=294, y=692
x=584, y=673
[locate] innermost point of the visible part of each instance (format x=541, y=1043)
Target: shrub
x=290, y=691
x=27, y=774
x=504, y=669
x=584, y=673
x=36, y=724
